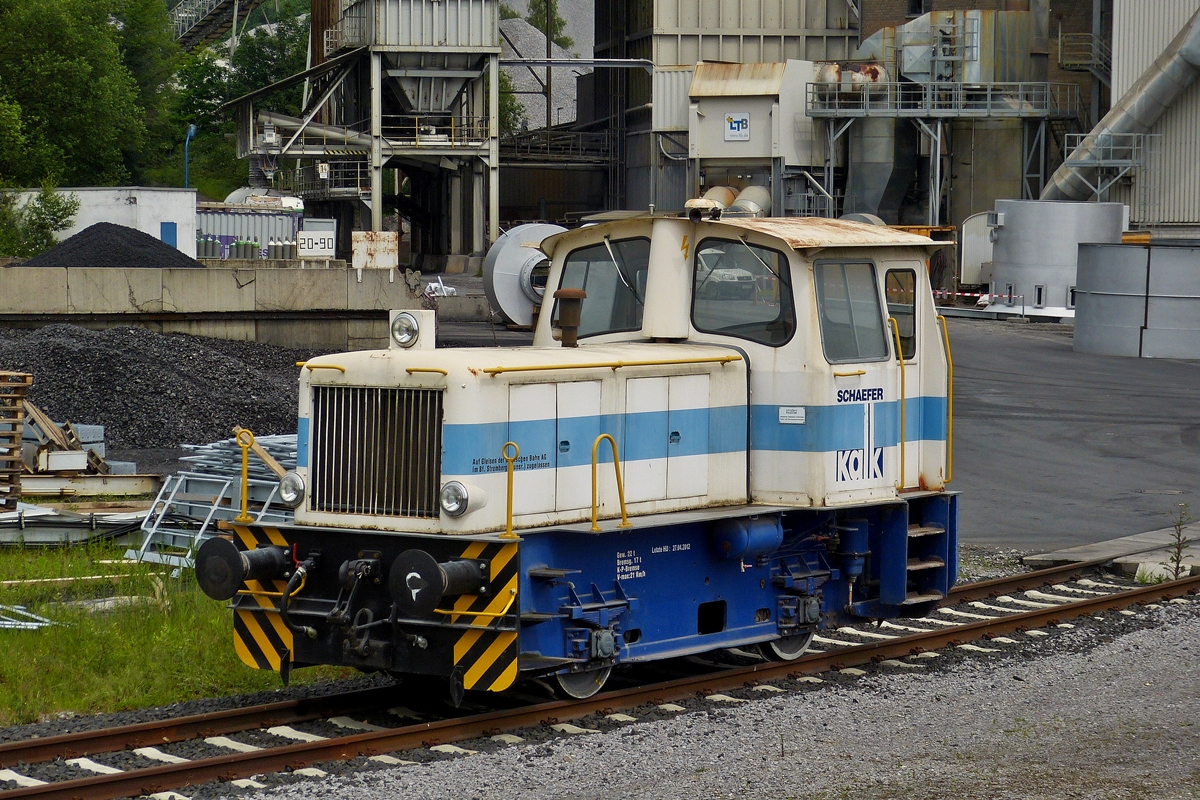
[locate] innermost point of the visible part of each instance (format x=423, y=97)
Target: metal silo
x=1036, y=251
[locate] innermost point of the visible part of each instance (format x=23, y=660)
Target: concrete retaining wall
x=326, y=309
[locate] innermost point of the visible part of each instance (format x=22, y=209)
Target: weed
x=177, y=646
x=1179, y=543
x=1148, y=578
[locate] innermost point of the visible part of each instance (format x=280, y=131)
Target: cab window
x=743, y=290
x=848, y=306
x=613, y=273
x=900, y=290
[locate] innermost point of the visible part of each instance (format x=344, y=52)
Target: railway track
x=980, y=611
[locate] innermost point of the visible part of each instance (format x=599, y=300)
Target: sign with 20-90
x=316, y=244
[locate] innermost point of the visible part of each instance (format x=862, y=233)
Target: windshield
x=613, y=273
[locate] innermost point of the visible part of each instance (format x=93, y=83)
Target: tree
x=27, y=230
x=512, y=114
x=61, y=65
x=150, y=53
x=537, y=18
x=12, y=139
x=206, y=81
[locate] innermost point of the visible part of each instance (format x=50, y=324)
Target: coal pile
x=107, y=245
x=155, y=390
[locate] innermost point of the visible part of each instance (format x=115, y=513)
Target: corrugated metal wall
x=1167, y=191
x=449, y=24
x=248, y=225
x=687, y=31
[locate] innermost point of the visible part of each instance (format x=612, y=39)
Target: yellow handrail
x=245, y=440
x=620, y=483
x=512, y=596
x=614, y=365
x=949, y=402
x=438, y=370
x=311, y=367
x=508, y=531
x=849, y=374
x=903, y=394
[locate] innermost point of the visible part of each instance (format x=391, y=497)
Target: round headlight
x=454, y=498
x=405, y=330
x=291, y=489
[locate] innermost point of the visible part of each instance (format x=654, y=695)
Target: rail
x=944, y=99
x=370, y=743
x=556, y=145
x=620, y=483
x=903, y=396
x=613, y=365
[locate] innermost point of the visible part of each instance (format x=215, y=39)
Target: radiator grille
x=376, y=451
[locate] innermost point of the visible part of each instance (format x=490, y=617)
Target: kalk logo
x=865, y=463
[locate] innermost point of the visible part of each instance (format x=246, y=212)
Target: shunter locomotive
x=727, y=432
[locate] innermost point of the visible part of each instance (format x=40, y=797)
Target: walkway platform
x=1148, y=551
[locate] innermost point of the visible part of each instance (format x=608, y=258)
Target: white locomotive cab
x=733, y=362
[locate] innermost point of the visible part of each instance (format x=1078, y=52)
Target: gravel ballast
x=154, y=390
x=1084, y=713
x=107, y=245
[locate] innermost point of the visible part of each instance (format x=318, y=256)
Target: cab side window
x=848, y=306
x=743, y=290
x=613, y=273
x=900, y=290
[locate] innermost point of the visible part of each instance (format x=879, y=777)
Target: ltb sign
x=737, y=126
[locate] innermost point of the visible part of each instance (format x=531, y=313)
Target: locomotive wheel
x=582, y=685
x=789, y=648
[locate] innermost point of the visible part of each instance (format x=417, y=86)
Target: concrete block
x=320, y=334
x=197, y=290
x=366, y=334
x=98, y=290
x=299, y=289
x=462, y=308
x=378, y=290
x=475, y=266
x=238, y=330
x=36, y=290
x=456, y=265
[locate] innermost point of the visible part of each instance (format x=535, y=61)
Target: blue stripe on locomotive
x=722, y=429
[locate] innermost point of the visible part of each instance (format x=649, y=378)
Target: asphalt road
x=1054, y=448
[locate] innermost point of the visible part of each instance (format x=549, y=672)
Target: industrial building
x=922, y=113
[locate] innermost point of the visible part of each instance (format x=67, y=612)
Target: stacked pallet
x=13, y=388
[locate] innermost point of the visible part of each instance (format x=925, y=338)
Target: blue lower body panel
x=590, y=600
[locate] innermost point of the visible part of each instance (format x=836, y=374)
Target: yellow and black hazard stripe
x=260, y=638
x=485, y=657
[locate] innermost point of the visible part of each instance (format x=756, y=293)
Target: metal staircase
x=1084, y=52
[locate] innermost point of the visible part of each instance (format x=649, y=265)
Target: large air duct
x=1142, y=106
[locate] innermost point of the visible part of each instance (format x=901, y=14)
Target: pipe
x=1142, y=106
x=754, y=200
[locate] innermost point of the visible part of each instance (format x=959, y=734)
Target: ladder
x=186, y=509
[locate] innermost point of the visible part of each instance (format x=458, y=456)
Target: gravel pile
x=107, y=245
x=153, y=390
x=1100, y=710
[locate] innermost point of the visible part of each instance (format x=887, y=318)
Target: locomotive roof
x=798, y=232
x=801, y=232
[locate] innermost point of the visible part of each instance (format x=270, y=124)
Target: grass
x=175, y=645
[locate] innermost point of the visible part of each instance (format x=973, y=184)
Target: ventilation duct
x=1142, y=106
